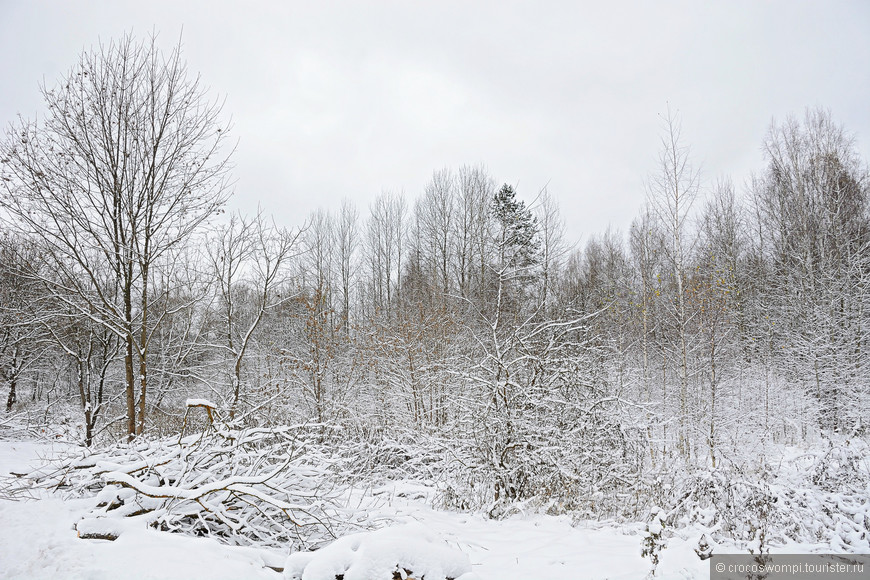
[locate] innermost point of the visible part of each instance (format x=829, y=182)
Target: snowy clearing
x=39, y=540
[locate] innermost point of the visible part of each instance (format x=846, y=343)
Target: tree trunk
x=143, y=356
x=128, y=366
x=131, y=391
x=10, y=400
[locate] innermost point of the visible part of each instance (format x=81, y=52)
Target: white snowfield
x=407, y=550
x=38, y=540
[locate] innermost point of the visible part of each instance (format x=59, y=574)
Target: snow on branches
x=269, y=487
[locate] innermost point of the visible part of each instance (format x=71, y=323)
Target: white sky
x=347, y=99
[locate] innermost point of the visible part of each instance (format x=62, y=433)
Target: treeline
x=722, y=322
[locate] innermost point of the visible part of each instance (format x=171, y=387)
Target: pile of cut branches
x=267, y=487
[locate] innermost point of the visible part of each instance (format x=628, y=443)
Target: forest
x=452, y=334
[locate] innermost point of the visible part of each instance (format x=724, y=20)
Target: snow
x=410, y=548
x=24, y=456
x=200, y=403
x=39, y=539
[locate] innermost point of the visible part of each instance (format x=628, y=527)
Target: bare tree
x=435, y=216
x=671, y=192
x=319, y=313
x=813, y=202
x=128, y=163
x=554, y=249
x=645, y=242
x=249, y=262
x=21, y=314
x=717, y=292
x=473, y=239
x=92, y=350
x=346, y=242
x=386, y=232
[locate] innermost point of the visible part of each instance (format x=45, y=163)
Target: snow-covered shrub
x=557, y=461
x=827, y=503
x=718, y=499
x=653, y=541
x=380, y=456
x=844, y=467
x=732, y=505
x=704, y=549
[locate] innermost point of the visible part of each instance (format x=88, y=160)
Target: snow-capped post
x=653, y=542
x=193, y=403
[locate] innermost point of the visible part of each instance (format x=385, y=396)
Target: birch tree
x=671, y=191
x=718, y=297
x=814, y=204
x=346, y=251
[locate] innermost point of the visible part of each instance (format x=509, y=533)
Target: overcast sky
x=348, y=99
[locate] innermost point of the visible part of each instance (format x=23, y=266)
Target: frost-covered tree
x=386, y=231
x=473, y=237
x=249, y=261
x=672, y=191
x=347, y=268
x=127, y=164
x=22, y=314
x=813, y=201
x=553, y=247
x=717, y=298
x=514, y=266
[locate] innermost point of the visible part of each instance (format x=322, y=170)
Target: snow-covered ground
x=38, y=540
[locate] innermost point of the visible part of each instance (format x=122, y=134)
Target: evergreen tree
x=517, y=234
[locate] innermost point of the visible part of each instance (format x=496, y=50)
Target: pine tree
x=517, y=233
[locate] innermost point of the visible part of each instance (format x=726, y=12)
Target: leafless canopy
x=128, y=162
